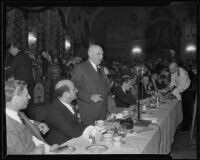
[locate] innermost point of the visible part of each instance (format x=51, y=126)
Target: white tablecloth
x=145, y=140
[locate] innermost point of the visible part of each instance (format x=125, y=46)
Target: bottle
x=157, y=101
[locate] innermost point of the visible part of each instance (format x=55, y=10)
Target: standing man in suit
x=21, y=68
x=93, y=87
x=61, y=117
x=23, y=136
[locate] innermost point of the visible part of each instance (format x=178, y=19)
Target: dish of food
x=96, y=149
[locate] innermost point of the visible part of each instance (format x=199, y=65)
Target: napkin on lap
x=90, y=130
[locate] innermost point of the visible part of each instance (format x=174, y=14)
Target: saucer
x=96, y=149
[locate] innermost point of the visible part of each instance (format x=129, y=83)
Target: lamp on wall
x=136, y=51
x=32, y=38
x=191, y=49
x=67, y=43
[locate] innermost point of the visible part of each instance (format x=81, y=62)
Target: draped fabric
x=49, y=29
x=17, y=28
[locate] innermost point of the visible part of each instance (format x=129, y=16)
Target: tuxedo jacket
x=88, y=81
x=63, y=125
x=123, y=99
x=19, y=137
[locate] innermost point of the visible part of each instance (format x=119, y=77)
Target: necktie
x=30, y=126
x=99, y=70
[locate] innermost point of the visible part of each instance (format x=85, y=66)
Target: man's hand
x=40, y=149
x=54, y=147
x=96, y=98
x=43, y=128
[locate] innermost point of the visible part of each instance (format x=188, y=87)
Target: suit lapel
x=31, y=126
x=99, y=79
x=63, y=108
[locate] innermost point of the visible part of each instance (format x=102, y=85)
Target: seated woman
x=123, y=95
x=146, y=87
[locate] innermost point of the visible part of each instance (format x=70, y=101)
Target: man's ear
x=66, y=94
x=15, y=99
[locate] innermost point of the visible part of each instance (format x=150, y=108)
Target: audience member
x=61, y=117
x=23, y=136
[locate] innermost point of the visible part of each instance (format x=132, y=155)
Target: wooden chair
x=39, y=93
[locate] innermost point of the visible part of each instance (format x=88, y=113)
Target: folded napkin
x=89, y=131
x=149, y=117
x=119, y=116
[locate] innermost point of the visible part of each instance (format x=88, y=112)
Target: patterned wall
x=47, y=26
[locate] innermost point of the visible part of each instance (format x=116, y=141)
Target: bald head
x=173, y=67
x=65, y=89
x=95, y=53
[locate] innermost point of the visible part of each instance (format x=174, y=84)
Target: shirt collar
x=13, y=114
x=94, y=65
x=68, y=106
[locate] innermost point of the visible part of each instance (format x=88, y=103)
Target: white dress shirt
x=181, y=81
x=93, y=65
x=13, y=114
x=68, y=107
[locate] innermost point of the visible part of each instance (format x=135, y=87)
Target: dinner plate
x=96, y=149
x=67, y=149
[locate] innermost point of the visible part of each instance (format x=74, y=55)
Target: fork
x=93, y=139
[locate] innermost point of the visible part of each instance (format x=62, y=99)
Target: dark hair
x=15, y=44
x=162, y=76
x=13, y=87
x=59, y=91
x=124, y=80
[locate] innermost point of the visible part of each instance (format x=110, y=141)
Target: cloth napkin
x=90, y=130
x=119, y=116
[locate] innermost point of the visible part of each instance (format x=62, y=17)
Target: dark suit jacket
x=19, y=138
x=143, y=92
x=21, y=67
x=123, y=99
x=89, y=82
x=63, y=125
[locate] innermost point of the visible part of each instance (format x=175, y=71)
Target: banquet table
x=154, y=139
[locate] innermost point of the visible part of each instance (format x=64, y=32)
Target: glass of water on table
x=122, y=131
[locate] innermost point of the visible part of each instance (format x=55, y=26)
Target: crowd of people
x=78, y=92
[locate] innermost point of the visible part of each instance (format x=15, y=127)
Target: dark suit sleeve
x=77, y=76
x=127, y=99
x=70, y=128
x=11, y=69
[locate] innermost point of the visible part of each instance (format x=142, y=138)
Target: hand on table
x=96, y=98
x=43, y=128
x=54, y=147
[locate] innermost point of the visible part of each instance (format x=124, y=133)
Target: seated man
x=159, y=82
x=23, y=136
x=61, y=117
x=146, y=88
x=123, y=96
